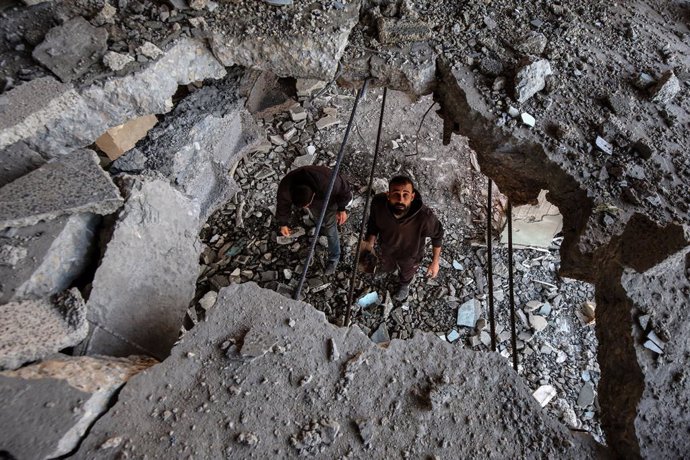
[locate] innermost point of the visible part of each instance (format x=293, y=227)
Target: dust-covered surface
x=588, y=100
x=264, y=376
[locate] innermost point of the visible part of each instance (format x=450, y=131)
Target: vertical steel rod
x=490, y=269
x=513, y=333
x=327, y=197
x=353, y=278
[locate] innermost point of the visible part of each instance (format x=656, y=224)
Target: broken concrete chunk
x=367, y=430
x=71, y=48
x=48, y=407
x=544, y=394
x=380, y=335
x=117, y=61
x=468, y=313
x=33, y=329
x=17, y=160
x=264, y=397
x=207, y=133
x=603, y=145
x=527, y=119
x=135, y=306
x=531, y=79
x=307, y=87
x=537, y=322
x=586, y=397
x=207, y=301
x=314, y=436
x=297, y=113
x=256, y=344
x=392, y=31
x=45, y=258
x=650, y=345
x=532, y=305
x=150, y=50
x=304, y=160
x=333, y=353
x=532, y=43
x=665, y=89
x=453, y=336
x=326, y=122
x=72, y=184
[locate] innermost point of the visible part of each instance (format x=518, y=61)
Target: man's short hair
x=400, y=180
x=301, y=195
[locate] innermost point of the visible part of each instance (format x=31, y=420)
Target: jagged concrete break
x=47, y=407
x=306, y=39
x=260, y=377
x=76, y=118
x=145, y=282
x=207, y=133
x=45, y=258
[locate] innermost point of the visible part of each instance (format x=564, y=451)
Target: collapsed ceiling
x=588, y=100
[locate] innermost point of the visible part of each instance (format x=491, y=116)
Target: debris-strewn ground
x=555, y=348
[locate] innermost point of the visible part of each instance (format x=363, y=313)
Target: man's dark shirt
x=404, y=238
x=317, y=178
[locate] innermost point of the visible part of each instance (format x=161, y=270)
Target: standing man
x=400, y=222
x=306, y=188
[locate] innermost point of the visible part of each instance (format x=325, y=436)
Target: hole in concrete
x=448, y=177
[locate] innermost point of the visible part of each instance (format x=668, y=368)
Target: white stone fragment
x=544, y=394
x=527, y=119
x=603, y=145
x=368, y=300
x=116, y=61
x=453, y=336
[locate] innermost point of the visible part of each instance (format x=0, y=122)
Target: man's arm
x=432, y=271
x=436, y=235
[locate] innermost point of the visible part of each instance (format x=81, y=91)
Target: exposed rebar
x=513, y=333
x=490, y=270
x=327, y=197
x=365, y=215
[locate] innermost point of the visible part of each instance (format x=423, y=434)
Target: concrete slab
x=47, y=257
x=298, y=399
x=283, y=41
x=47, y=407
x=71, y=48
x=33, y=329
x=147, y=277
x=54, y=118
x=208, y=132
x=73, y=184
x=16, y=160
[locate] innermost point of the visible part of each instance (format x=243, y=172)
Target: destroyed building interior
x=151, y=308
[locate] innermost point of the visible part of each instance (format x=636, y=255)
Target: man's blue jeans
x=330, y=229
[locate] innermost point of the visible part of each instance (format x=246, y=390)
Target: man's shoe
x=402, y=293
x=330, y=268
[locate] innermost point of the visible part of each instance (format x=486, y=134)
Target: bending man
x=306, y=188
x=400, y=222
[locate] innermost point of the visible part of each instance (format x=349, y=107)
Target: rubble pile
x=587, y=100
x=555, y=348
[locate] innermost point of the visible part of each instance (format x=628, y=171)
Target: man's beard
x=398, y=209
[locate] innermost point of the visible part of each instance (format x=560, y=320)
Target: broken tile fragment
x=468, y=313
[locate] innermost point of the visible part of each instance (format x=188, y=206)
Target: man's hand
x=432, y=271
x=341, y=217
x=285, y=230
